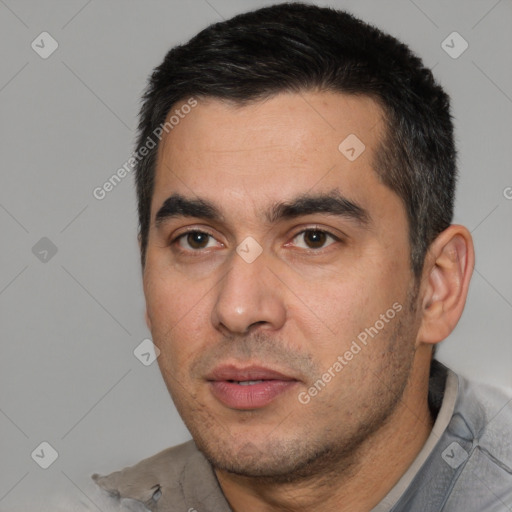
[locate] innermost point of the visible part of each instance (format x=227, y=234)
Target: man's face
x=306, y=302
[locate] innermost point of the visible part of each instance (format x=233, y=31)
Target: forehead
x=274, y=150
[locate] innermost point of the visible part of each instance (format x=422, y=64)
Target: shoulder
x=485, y=413
x=482, y=424
x=144, y=480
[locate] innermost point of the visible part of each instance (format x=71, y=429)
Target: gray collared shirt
x=464, y=466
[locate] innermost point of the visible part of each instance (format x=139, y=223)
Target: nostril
x=256, y=323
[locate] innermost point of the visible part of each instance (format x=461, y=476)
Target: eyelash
x=199, y=251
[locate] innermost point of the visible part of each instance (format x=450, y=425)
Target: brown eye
x=195, y=241
x=313, y=238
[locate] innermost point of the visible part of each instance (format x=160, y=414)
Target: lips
x=248, y=388
x=231, y=372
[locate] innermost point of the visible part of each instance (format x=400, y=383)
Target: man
x=299, y=267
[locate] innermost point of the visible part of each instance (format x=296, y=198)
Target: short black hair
x=297, y=47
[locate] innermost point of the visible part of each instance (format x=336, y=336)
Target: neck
x=355, y=485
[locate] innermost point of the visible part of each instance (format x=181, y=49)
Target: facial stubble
x=308, y=448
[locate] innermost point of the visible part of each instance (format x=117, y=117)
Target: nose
x=249, y=295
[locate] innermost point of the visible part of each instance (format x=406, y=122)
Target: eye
x=195, y=240
x=314, y=238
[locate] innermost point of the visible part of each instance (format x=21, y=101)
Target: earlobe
x=446, y=277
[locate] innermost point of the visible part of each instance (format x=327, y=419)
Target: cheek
x=169, y=297
x=332, y=315
x=179, y=315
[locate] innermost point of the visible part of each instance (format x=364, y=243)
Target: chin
x=275, y=460
x=248, y=455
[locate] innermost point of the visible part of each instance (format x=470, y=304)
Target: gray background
x=70, y=324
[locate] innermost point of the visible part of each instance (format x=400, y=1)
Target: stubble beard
x=299, y=455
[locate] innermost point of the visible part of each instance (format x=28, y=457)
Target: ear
x=445, y=281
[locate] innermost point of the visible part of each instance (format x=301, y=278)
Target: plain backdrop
x=71, y=303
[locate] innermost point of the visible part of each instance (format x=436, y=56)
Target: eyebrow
x=331, y=203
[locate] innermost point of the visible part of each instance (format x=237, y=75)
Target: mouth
x=248, y=388
x=246, y=382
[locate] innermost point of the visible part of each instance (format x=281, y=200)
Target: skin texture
x=299, y=305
